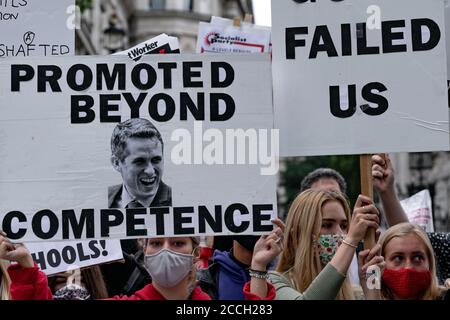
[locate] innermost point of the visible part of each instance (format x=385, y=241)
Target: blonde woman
x=410, y=265
x=4, y=280
x=320, y=240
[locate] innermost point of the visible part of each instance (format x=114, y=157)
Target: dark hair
x=132, y=128
x=142, y=243
x=92, y=278
x=95, y=284
x=322, y=173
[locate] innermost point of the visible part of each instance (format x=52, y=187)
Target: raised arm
x=27, y=281
x=266, y=249
x=383, y=181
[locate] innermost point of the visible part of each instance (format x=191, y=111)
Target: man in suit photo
x=137, y=154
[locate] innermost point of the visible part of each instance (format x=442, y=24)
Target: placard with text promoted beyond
x=37, y=28
x=107, y=148
x=359, y=76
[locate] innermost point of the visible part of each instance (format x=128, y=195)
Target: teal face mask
x=327, y=245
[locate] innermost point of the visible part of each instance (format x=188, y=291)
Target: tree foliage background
x=84, y=4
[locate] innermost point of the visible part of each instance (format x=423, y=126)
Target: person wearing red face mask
x=410, y=272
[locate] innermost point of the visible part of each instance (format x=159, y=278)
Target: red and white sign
x=221, y=36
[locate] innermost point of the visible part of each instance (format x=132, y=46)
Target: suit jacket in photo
x=163, y=197
x=118, y=276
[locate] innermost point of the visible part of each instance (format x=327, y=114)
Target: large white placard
x=37, y=28
x=216, y=172
x=359, y=76
x=47, y=28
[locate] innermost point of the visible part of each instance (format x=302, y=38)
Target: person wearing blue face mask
x=320, y=240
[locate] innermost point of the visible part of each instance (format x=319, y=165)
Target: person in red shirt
x=170, y=262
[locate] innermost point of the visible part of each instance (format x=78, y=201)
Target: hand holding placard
x=365, y=217
x=15, y=252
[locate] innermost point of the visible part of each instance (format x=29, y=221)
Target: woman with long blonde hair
x=320, y=240
x=4, y=280
x=410, y=265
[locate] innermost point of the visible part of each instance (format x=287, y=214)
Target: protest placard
x=162, y=44
x=47, y=28
x=65, y=160
x=37, y=28
x=359, y=76
x=221, y=36
x=55, y=257
x=418, y=209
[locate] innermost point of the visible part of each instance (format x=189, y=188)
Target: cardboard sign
x=419, y=210
x=220, y=36
x=162, y=44
x=37, y=28
x=359, y=76
x=199, y=156
x=61, y=256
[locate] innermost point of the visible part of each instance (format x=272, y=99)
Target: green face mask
x=327, y=245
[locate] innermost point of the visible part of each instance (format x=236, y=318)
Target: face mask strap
x=196, y=252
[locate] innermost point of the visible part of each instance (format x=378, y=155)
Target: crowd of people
x=316, y=254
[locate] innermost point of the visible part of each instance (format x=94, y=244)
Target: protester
x=230, y=270
x=410, y=265
x=320, y=240
x=83, y=284
x=4, y=280
x=330, y=179
x=324, y=179
x=384, y=182
x=170, y=262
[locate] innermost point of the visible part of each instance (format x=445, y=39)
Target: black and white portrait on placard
x=137, y=154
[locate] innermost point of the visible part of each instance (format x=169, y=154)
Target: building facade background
x=427, y=170
x=140, y=20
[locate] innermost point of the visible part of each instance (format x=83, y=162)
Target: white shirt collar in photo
x=126, y=198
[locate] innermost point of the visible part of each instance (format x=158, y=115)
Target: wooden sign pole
x=365, y=167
